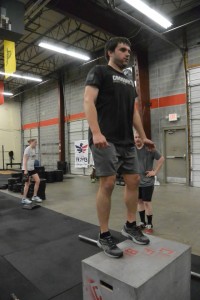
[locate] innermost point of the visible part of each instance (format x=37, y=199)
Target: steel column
x=61, y=117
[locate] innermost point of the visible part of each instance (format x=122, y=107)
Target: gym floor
x=176, y=207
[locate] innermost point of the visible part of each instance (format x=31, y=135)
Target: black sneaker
x=109, y=247
x=142, y=225
x=135, y=234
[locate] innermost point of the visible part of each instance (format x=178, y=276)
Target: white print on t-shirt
x=30, y=152
x=117, y=79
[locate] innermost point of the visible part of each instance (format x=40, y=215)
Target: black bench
x=13, y=164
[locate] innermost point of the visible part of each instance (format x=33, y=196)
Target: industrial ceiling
x=85, y=25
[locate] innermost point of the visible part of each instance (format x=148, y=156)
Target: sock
x=149, y=219
x=130, y=225
x=105, y=234
x=142, y=216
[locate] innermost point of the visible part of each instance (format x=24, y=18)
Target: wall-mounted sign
x=81, y=153
x=173, y=117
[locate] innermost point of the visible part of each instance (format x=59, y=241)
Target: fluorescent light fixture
x=21, y=76
x=149, y=12
x=63, y=51
x=7, y=94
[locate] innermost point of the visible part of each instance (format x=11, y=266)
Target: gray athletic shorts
x=115, y=159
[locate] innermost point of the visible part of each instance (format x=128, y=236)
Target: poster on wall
x=81, y=153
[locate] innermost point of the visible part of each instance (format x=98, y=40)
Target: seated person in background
x=147, y=178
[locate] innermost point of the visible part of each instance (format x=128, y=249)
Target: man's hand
x=150, y=173
x=150, y=145
x=100, y=141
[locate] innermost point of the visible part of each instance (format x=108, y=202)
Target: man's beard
x=120, y=64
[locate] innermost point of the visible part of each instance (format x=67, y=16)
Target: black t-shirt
x=114, y=104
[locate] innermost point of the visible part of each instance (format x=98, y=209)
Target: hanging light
x=150, y=12
x=64, y=51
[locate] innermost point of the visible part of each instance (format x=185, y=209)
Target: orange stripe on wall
x=75, y=117
x=54, y=121
x=48, y=122
x=168, y=101
x=155, y=103
x=40, y=124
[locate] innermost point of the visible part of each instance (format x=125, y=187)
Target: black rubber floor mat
x=41, y=254
x=53, y=267
x=195, y=283
x=22, y=229
x=11, y=281
x=75, y=293
x=8, y=202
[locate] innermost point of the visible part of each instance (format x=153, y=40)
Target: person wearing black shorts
x=109, y=108
x=147, y=178
x=29, y=172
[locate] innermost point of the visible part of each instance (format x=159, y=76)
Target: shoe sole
x=25, y=203
x=124, y=233
x=37, y=201
x=109, y=255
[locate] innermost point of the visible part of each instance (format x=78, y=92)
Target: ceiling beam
x=99, y=17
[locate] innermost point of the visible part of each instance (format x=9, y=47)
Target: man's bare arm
x=90, y=97
x=137, y=123
x=158, y=165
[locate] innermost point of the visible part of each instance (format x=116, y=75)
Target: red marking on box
x=149, y=251
x=130, y=251
x=94, y=291
x=166, y=251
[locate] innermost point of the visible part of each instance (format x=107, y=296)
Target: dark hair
x=112, y=44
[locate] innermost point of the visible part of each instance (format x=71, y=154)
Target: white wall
x=10, y=130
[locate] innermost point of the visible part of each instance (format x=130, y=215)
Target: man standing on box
x=109, y=107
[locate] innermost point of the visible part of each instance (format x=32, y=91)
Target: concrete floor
x=176, y=208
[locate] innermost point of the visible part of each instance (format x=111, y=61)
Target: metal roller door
x=77, y=130
x=194, y=97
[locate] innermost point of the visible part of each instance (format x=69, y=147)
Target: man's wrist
x=94, y=132
x=143, y=138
